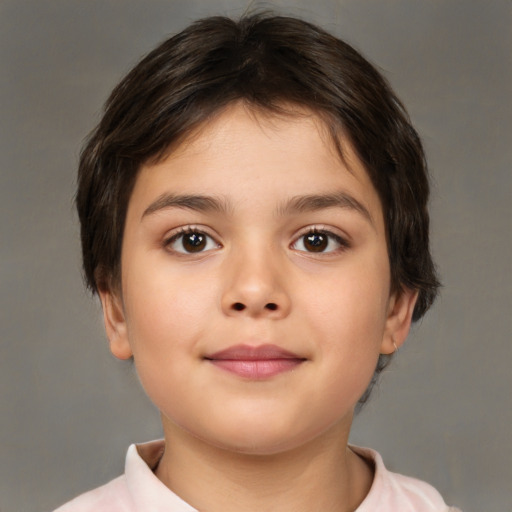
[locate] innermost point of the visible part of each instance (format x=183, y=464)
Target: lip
x=255, y=362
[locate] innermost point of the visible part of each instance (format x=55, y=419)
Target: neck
x=323, y=474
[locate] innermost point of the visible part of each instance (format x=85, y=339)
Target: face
x=255, y=284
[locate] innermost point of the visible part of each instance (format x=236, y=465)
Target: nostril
x=271, y=306
x=238, y=306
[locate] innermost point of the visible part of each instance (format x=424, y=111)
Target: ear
x=115, y=324
x=398, y=322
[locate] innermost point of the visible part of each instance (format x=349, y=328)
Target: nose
x=255, y=286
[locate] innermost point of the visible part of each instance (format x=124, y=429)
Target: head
x=274, y=65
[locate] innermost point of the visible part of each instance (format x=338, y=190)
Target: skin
x=277, y=443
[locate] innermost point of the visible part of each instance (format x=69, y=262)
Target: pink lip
x=259, y=362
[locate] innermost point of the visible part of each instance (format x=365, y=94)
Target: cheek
x=166, y=313
x=166, y=323
x=356, y=302
x=349, y=319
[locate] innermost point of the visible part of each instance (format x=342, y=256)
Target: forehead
x=238, y=118
x=244, y=153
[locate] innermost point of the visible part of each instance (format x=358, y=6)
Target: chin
x=257, y=445
x=260, y=438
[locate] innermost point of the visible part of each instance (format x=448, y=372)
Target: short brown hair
x=266, y=61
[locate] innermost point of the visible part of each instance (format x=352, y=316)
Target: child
x=253, y=211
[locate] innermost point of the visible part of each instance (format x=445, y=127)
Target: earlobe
x=398, y=323
x=115, y=324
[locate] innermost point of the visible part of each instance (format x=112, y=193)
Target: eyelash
x=342, y=243
x=189, y=230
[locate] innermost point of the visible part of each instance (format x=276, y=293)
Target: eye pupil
x=316, y=242
x=194, y=242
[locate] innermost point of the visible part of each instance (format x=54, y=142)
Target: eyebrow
x=315, y=202
x=197, y=203
x=298, y=204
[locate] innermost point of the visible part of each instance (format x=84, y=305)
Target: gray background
x=443, y=411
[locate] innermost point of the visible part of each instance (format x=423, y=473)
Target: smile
x=255, y=363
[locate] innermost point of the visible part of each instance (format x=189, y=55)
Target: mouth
x=255, y=363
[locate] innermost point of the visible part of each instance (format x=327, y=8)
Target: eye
x=190, y=241
x=320, y=242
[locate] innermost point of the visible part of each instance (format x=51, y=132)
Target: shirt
x=139, y=490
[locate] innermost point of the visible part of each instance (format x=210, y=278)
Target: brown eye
x=320, y=242
x=316, y=242
x=191, y=242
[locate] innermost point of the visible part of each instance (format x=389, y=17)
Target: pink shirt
x=139, y=490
